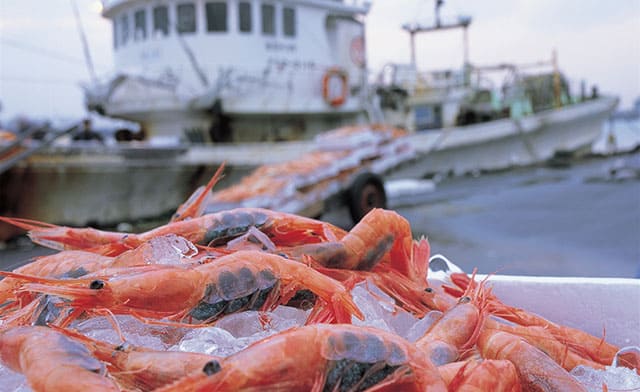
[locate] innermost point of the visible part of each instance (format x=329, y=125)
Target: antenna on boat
x=85, y=45
x=462, y=21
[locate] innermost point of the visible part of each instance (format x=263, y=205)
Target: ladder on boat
x=23, y=146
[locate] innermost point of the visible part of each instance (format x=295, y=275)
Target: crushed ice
x=615, y=378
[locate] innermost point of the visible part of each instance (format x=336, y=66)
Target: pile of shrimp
x=199, y=269
x=339, y=154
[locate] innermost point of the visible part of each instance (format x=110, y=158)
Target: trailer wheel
x=366, y=193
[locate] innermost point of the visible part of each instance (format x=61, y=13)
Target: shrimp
x=456, y=331
x=245, y=280
x=544, y=340
x=380, y=235
x=332, y=358
x=75, y=264
x=141, y=368
x=210, y=229
x=196, y=203
x=537, y=371
x=488, y=375
x=51, y=361
x=587, y=345
x=71, y=264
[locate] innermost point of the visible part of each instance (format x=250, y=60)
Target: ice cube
x=137, y=333
x=13, y=381
x=249, y=323
x=615, y=378
x=210, y=340
x=169, y=249
x=370, y=307
x=418, y=329
x=380, y=310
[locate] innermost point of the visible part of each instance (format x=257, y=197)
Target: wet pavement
x=581, y=220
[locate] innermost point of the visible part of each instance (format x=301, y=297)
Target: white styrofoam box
x=609, y=306
x=599, y=306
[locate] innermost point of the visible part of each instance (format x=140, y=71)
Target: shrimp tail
x=195, y=204
x=338, y=311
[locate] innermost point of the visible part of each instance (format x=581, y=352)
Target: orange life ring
x=329, y=94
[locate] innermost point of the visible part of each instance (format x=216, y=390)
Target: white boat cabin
x=235, y=70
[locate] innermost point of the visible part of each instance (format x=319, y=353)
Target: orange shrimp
x=456, y=331
x=51, y=361
x=71, y=264
x=380, y=235
x=141, y=368
x=75, y=264
x=210, y=229
x=544, y=340
x=245, y=280
x=320, y=357
x=537, y=371
x=476, y=376
x=587, y=345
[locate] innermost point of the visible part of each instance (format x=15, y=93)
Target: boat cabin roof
x=137, y=20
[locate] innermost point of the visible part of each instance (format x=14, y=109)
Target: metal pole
x=556, y=79
x=85, y=44
x=412, y=34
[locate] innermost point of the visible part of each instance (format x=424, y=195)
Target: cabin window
x=140, y=23
x=244, y=16
x=186, y=18
x=216, y=16
x=268, y=19
x=124, y=29
x=161, y=21
x=289, y=22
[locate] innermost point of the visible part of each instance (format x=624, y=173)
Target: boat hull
x=507, y=143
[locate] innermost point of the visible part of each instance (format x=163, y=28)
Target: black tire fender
x=365, y=193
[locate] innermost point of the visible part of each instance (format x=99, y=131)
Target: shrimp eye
x=211, y=368
x=123, y=347
x=96, y=285
x=428, y=290
x=464, y=300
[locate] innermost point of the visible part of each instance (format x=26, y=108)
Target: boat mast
x=85, y=44
x=462, y=21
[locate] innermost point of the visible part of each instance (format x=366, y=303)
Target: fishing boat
x=252, y=83
x=235, y=71
x=197, y=98
x=487, y=117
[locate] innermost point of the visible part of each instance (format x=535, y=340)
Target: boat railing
x=24, y=145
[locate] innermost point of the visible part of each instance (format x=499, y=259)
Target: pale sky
x=42, y=64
